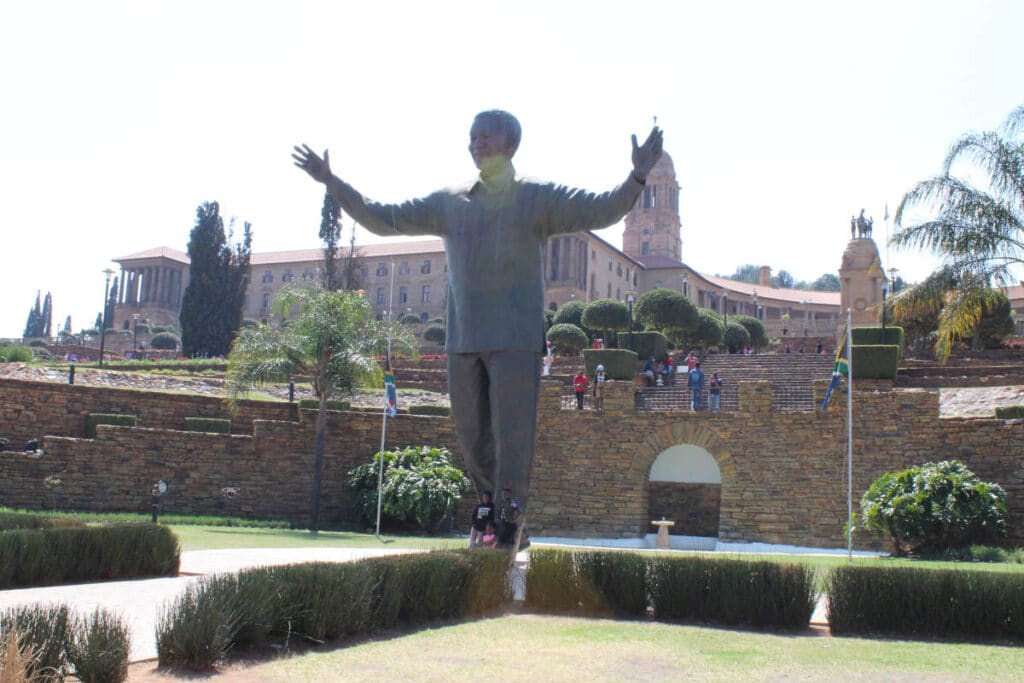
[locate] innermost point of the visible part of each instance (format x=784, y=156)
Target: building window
x=403, y=268
x=426, y=294
x=307, y=274
x=618, y=270
x=657, y=284
x=365, y=270
x=382, y=269
x=287, y=277
x=593, y=255
x=268, y=277
x=645, y=248
x=609, y=264
x=424, y=317
x=618, y=293
x=609, y=290
x=266, y=300
x=554, y=259
x=380, y=296
x=425, y=268
x=403, y=295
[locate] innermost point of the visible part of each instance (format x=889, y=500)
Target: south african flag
x=839, y=370
x=390, y=394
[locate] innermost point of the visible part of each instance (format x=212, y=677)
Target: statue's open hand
x=646, y=156
x=306, y=159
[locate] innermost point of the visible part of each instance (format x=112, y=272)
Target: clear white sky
x=783, y=118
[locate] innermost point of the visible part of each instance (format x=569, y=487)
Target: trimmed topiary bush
x=933, y=507
x=92, y=420
x=605, y=315
x=753, y=326
x=1010, y=412
x=410, y=319
x=648, y=344
x=566, y=338
x=165, y=341
x=875, y=361
x=736, y=336
x=430, y=410
x=906, y=601
x=618, y=363
x=435, y=334
x=19, y=520
x=210, y=425
x=872, y=336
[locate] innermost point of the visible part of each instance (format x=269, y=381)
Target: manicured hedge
x=872, y=336
x=906, y=601
x=314, y=404
x=647, y=344
x=18, y=520
x=732, y=592
x=214, y=425
x=94, y=419
x=39, y=557
x=1010, y=412
x=875, y=361
x=53, y=642
x=430, y=410
x=618, y=363
x=325, y=601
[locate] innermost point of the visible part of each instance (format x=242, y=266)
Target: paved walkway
x=140, y=601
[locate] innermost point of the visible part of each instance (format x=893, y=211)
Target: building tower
x=652, y=225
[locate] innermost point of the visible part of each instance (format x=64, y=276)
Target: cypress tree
x=330, y=233
x=33, y=326
x=46, y=322
x=108, y=313
x=211, y=307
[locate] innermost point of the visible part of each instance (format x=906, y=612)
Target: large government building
x=577, y=266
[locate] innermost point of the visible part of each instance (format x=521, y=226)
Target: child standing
x=483, y=517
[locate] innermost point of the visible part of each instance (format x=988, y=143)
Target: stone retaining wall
x=783, y=473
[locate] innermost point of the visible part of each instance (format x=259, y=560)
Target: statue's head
x=494, y=138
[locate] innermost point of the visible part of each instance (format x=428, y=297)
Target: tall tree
x=33, y=326
x=748, y=272
x=332, y=340
x=352, y=273
x=211, y=307
x=47, y=318
x=977, y=231
x=829, y=282
x=783, y=279
x=108, y=313
x=330, y=233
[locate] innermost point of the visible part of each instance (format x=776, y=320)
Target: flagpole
x=384, y=415
x=849, y=434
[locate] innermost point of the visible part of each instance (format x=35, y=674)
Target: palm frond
x=1001, y=159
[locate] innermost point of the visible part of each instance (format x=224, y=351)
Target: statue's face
x=489, y=143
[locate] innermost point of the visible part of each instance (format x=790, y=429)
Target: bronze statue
x=494, y=233
x=863, y=225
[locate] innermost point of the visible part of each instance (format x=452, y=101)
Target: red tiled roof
x=265, y=258
x=156, y=252
x=793, y=295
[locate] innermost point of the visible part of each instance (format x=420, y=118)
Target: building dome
x=664, y=168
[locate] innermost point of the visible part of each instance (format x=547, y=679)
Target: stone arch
x=700, y=436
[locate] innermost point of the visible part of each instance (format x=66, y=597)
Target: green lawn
x=211, y=537
x=546, y=648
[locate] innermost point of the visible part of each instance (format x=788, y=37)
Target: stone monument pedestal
x=663, y=527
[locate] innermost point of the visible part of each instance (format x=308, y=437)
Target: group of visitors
x=494, y=526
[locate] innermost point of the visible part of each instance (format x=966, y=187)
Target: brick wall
x=693, y=507
x=783, y=473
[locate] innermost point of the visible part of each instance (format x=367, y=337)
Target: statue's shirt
x=494, y=234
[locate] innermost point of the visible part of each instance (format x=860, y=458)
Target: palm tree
x=331, y=338
x=978, y=231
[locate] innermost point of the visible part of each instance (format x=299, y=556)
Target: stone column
x=121, y=287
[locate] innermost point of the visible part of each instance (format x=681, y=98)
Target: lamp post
x=630, y=298
x=885, y=288
x=757, y=316
x=803, y=302
x=103, y=317
x=725, y=308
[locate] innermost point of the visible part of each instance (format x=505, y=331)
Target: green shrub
x=435, y=334
x=709, y=332
x=141, y=328
x=213, y=425
x=421, y=486
x=571, y=313
x=430, y=410
x=667, y=311
x=907, y=601
x=326, y=601
x=44, y=631
x=618, y=363
x=605, y=315
x=619, y=578
x=754, y=327
x=933, y=507
x=37, y=343
x=732, y=592
x=875, y=361
x=552, y=584
x=872, y=336
x=736, y=336
x=160, y=329
x=1010, y=412
x=332, y=404
x=566, y=338
x=164, y=341
x=18, y=520
x=94, y=419
x=648, y=344
x=38, y=557
x=99, y=649
x=592, y=583
x=18, y=354
x=410, y=319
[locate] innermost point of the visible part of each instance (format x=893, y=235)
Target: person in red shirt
x=579, y=383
